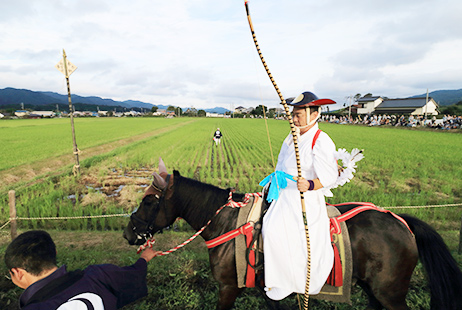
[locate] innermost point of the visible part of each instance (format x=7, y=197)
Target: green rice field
x=402, y=167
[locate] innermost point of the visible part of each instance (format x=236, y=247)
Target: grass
x=181, y=280
x=401, y=168
x=32, y=140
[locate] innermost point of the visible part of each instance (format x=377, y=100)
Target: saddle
x=249, y=248
x=249, y=245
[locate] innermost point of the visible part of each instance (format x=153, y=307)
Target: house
x=208, y=114
x=163, y=112
x=367, y=105
x=242, y=110
x=21, y=113
x=43, y=113
x=78, y=113
x=132, y=113
x=413, y=106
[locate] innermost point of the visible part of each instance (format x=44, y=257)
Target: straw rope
x=128, y=214
x=69, y=217
x=4, y=225
x=427, y=206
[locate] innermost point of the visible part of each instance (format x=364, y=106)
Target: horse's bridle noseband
x=148, y=233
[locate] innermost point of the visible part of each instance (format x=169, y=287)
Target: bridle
x=149, y=226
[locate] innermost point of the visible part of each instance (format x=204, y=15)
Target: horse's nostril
x=127, y=237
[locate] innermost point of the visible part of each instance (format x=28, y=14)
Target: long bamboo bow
x=297, y=155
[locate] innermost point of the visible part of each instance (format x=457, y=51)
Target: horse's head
x=155, y=211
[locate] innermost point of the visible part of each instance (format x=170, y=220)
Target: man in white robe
x=284, y=236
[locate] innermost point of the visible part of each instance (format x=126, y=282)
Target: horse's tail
x=444, y=275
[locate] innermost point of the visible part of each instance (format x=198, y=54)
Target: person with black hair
x=31, y=261
x=217, y=136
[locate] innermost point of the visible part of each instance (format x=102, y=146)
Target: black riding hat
x=308, y=99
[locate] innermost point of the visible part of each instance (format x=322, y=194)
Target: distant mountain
x=12, y=96
x=218, y=110
x=444, y=97
x=139, y=104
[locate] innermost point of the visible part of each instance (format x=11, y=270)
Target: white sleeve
x=282, y=152
x=324, y=163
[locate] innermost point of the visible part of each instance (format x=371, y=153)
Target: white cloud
x=201, y=53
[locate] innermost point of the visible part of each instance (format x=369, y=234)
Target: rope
x=5, y=224
x=427, y=206
x=269, y=139
x=61, y=218
x=75, y=169
x=264, y=116
x=67, y=217
x=231, y=203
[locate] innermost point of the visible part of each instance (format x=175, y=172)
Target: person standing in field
x=217, y=136
x=284, y=238
x=31, y=261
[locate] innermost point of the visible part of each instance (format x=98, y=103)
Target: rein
x=149, y=225
x=231, y=203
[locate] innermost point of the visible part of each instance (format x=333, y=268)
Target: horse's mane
x=199, y=201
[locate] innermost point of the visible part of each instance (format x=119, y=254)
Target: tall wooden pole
x=297, y=154
x=12, y=204
x=76, y=169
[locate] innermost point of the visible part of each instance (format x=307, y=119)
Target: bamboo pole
x=13, y=223
x=297, y=154
x=76, y=169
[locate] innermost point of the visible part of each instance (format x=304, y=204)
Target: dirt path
x=35, y=171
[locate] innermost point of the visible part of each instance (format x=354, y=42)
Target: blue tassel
x=278, y=181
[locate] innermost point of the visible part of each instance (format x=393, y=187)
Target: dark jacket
x=97, y=285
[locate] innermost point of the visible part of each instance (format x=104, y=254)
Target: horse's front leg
x=227, y=296
x=223, y=264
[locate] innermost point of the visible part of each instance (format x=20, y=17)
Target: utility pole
x=66, y=67
x=349, y=110
x=426, y=104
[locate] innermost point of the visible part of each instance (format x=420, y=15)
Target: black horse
x=384, y=251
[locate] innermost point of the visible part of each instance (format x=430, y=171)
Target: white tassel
x=349, y=161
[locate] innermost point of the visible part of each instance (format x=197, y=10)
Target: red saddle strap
x=364, y=206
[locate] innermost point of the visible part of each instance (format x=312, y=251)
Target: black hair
x=33, y=251
x=314, y=109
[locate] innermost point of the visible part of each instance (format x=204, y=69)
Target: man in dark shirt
x=31, y=261
x=217, y=136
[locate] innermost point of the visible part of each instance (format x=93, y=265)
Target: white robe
x=284, y=238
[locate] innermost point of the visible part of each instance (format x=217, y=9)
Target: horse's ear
x=158, y=181
x=176, y=173
x=162, y=168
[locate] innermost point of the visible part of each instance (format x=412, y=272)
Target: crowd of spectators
x=446, y=123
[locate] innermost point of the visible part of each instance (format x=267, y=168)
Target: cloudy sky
x=200, y=53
